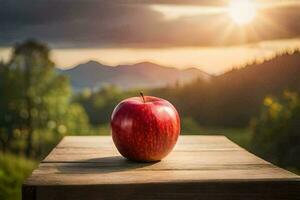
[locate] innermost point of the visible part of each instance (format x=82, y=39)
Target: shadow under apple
x=101, y=165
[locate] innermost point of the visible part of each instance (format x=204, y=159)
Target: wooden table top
x=199, y=167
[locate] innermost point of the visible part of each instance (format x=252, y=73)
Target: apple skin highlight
x=145, y=128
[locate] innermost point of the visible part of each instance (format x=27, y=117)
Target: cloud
x=99, y=23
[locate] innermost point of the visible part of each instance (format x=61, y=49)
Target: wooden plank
x=88, y=175
x=200, y=167
x=179, y=158
x=29, y=192
x=87, y=149
x=263, y=190
x=106, y=141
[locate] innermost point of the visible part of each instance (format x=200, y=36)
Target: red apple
x=145, y=128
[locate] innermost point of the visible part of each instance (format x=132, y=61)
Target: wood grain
x=200, y=167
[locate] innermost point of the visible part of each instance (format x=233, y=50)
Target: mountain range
x=95, y=75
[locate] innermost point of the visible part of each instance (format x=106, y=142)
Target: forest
x=256, y=105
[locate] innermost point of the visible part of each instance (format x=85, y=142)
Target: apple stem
x=142, y=95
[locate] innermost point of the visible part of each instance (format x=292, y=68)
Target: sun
x=242, y=12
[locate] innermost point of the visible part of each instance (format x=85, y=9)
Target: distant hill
x=95, y=75
x=241, y=92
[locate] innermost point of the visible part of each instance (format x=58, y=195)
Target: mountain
x=95, y=75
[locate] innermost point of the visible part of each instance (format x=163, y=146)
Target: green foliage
x=13, y=171
x=76, y=120
x=35, y=100
x=276, y=132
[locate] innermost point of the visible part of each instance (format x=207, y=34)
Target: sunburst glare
x=242, y=11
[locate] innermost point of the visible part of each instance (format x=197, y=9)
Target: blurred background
x=230, y=67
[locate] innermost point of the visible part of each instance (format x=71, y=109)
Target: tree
x=34, y=98
x=276, y=134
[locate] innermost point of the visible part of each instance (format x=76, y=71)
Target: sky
x=211, y=35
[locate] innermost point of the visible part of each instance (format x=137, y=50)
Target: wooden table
x=200, y=167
